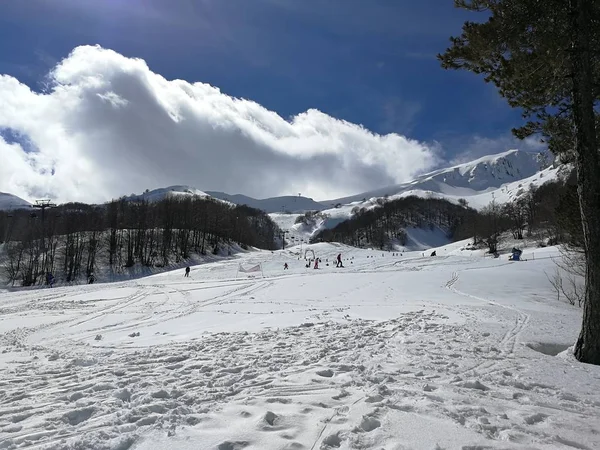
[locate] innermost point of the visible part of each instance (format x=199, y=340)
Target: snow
x=423, y=239
x=287, y=203
x=157, y=195
x=417, y=238
x=476, y=199
x=395, y=352
x=501, y=176
x=297, y=232
x=9, y=201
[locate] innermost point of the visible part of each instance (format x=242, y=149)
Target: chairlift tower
x=43, y=205
x=282, y=235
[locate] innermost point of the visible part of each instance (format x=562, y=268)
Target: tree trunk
x=587, y=348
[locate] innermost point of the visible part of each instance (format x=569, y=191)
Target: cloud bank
x=107, y=126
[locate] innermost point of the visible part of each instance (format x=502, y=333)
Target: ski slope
x=411, y=352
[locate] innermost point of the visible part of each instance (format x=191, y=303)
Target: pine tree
x=542, y=55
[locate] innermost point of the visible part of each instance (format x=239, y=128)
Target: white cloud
x=109, y=126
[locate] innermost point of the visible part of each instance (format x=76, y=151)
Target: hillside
x=503, y=178
x=9, y=202
x=288, y=203
x=469, y=180
x=499, y=176
x=157, y=195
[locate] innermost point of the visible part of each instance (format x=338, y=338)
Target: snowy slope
x=171, y=191
x=9, y=201
x=482, y=176
x=504, y=194
x=451, y=352
x=502, y=178
x=498, y=176
x=287, y=203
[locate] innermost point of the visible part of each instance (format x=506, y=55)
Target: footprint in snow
x=332, y=441
x=236, y=445
x=270, y=418
x=535, y=418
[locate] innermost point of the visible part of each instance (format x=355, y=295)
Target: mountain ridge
x=9, y=202
x=472, y=181
x=287, y=203
x=483, y=174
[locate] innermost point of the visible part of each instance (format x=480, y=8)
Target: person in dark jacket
x=187, y=272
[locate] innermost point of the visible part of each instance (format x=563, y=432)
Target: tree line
x=547, y=213
x=73, y=240
x=384, y=225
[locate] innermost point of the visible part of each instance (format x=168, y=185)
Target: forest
x=71, y=241
x=549, y=212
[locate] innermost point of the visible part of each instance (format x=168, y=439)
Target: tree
x=542, y=56
x=491, y=228
x=516, y=214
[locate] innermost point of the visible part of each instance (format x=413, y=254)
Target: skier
x=285, y=266
x=316, y=263
x=49, y=279
x=91, y=279
x=187, y=272
x=339, y=261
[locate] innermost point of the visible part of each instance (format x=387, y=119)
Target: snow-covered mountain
x=475, y=181
x=171, y=191
x=503, y=177
x=9, y=202
x=474, y=178
x=289, y=203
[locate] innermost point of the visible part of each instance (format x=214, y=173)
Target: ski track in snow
x=394, y=353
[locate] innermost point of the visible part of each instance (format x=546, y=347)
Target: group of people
x=286, y=266
x=317, y=262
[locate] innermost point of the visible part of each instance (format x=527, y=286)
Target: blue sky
x=367, y=62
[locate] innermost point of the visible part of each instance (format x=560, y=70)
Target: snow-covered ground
x=389, y=352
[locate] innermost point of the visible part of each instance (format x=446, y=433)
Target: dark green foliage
x=525, y=48
x=544, y=58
